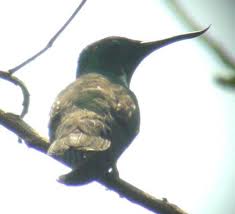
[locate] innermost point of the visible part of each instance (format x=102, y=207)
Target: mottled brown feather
x=93, y=119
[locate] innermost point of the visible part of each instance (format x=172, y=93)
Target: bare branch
x=51, y=41
x=219, y=50
x=15, y=124
x=138, y=196
x=7, y=76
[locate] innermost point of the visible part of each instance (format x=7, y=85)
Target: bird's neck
x=119, y=77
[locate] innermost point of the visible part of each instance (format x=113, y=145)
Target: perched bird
x=96, y=117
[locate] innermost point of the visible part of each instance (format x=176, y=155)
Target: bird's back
x=92, y=122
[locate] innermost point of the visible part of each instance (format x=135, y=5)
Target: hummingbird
x=95, y=118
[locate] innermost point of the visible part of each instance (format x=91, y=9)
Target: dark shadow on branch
x=15, y=124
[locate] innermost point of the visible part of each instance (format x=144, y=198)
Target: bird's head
x=117, y=57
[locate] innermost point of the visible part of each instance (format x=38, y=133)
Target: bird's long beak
x=152, y=46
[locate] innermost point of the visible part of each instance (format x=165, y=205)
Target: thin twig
x=7, y=76
x=51, y=41
x=15, y=124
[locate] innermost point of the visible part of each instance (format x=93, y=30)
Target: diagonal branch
x=51, y=41
x=15, y=124
x=219, y=50
x=140, y=197
x=216, y=47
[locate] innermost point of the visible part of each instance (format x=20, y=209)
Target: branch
x=138, y=196
x=215, y=45
x=219, y=50
x=7, y=76
x=15, y=124
x=51, y=41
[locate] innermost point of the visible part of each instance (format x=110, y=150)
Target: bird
x=95, y=118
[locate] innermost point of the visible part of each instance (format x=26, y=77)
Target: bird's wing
x=79, y=133
x=81, y=130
